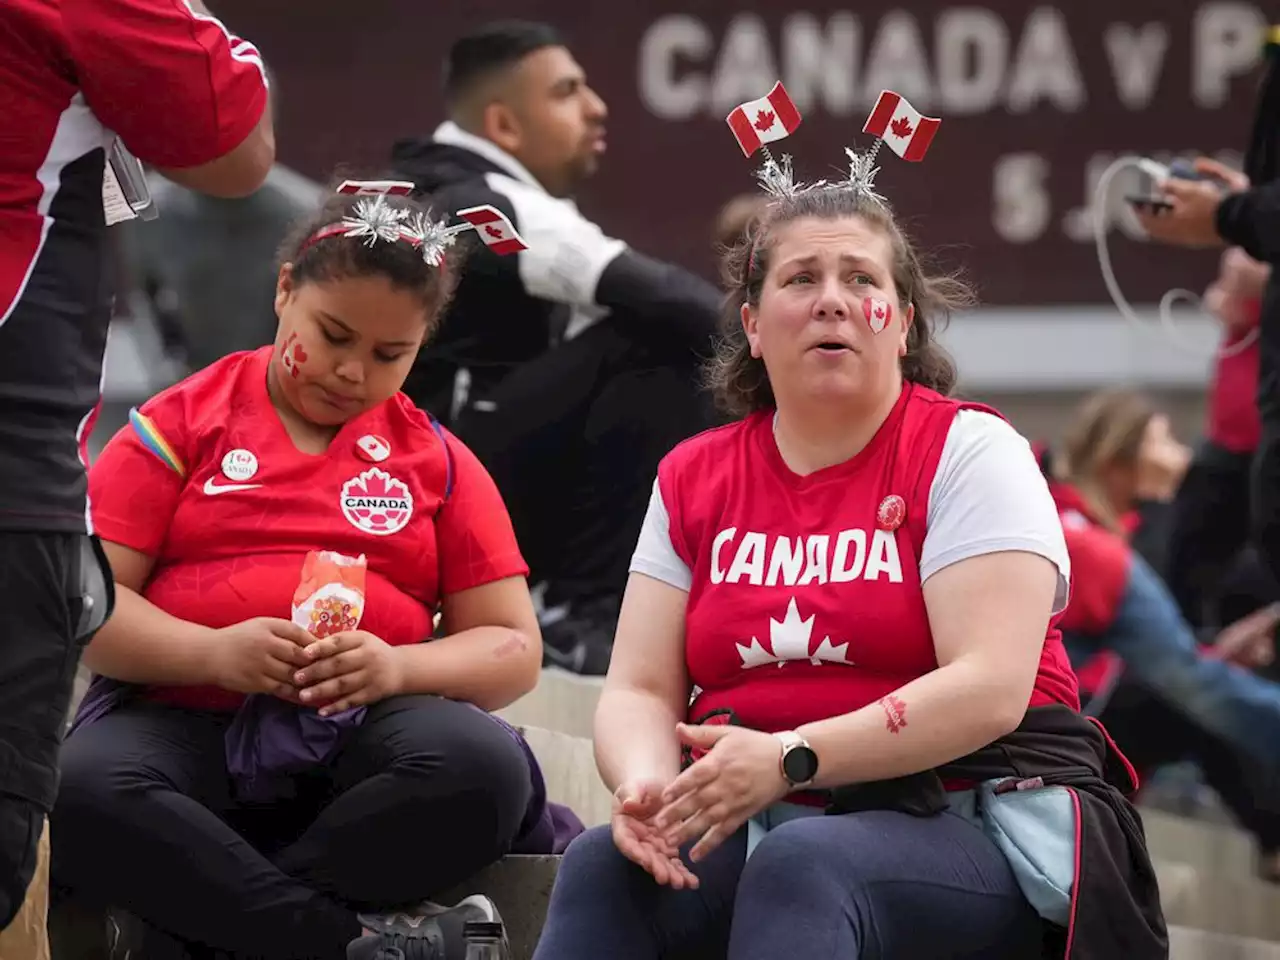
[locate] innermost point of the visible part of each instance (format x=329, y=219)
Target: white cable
x=1165, y=311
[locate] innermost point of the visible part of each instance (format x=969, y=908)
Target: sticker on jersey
x=373, y=448
x=239, y=465
x=377, y=502
x=891, y=513
x=877, y=312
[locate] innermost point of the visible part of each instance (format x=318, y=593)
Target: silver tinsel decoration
x=375, y=219
x=862, y=175
x=777, y=179
x=433, y=237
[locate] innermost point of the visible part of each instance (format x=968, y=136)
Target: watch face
x=800, y=764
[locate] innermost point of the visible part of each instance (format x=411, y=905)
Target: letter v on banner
x=907, y=132
x=762, y=121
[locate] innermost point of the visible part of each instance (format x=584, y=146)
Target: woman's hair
x=1106, y=429
x=339, y=257
x=739, y=381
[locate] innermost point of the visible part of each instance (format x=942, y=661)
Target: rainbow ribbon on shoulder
x=151, y=437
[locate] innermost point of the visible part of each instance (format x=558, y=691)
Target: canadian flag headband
x=758, y=123
x=374, y=220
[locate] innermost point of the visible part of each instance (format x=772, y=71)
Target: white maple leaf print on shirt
x=789, y=640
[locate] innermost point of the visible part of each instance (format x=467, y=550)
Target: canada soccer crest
x=377, y=502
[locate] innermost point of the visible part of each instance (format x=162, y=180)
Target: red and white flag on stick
x=762, y=121
x=394, y=188
x=497, y=232
x=907, y=132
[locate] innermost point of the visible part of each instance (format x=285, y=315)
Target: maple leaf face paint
x=293, y=355
x=877, y=313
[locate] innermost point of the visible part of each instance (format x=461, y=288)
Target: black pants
x=1265, y=498
x=1152, y=734
x=421, y=796
x=1208, y=529
x=56, y=590
x=573, y=439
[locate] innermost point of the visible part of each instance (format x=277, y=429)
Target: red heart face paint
x=878, y=312
x=293, y=356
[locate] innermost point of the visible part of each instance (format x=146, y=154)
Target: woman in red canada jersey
x=858, y=582
x=266, y=772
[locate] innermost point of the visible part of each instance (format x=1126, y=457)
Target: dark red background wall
x=353, y=76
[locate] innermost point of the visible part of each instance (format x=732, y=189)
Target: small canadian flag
x=497, y=232
x=373, y=448
x=762, y=121
x=395, y=188
x=907, y=132
x=877, y=312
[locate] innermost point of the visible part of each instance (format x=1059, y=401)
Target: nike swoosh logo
x=213, y=489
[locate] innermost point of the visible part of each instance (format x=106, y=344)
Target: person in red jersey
x=843, y=604
x=213, y=505
x=78, y=79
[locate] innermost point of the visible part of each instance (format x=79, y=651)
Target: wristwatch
x=799, y=763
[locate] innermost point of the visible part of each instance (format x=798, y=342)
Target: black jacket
x=1116, y=902
x=1251, y=219
x=508, y=310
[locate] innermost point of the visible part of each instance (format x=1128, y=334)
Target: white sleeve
x=566, y=252
x=655, y=556
x=988, y=496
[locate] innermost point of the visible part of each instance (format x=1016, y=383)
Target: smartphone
x=1148, y=204
x=132, y=180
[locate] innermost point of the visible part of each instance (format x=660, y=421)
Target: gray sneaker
x=427, y=932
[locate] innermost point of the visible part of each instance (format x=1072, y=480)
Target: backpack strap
x=448, y=458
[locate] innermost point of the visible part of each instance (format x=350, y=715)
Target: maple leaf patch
x=901, y=127
x=764, y=119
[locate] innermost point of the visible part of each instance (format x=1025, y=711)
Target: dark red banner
x=1036, y=101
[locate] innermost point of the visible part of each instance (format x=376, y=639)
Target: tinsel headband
x=375, y=220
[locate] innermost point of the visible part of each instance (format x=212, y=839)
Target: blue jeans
x=865, y=886
x=1160, y=654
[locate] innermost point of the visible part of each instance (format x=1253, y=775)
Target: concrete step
x=1213, y=849
x=1189, y=944
x=1239, y=906
x=569, y=768
x=562, y=701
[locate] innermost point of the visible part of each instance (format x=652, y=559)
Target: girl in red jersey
x=858, y=581
x=221, y=506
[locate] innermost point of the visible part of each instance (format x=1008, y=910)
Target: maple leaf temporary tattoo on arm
x=895, y=712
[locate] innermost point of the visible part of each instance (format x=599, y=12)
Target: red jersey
x=180, y=91
x=1233, y=420
x=208, y=483
x=805, y=597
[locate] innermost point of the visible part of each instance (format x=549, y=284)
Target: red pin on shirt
x=891, y=513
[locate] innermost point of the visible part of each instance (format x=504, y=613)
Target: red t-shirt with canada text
x=805, y=600
x=208, y=483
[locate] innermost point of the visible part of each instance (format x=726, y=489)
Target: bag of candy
x=330, y=597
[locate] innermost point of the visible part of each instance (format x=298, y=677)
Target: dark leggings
x=422, y=795
x=866, y=886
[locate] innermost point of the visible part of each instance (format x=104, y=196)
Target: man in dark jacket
x=572, y=368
